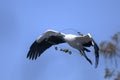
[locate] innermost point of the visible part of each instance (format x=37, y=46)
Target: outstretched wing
x=37, y=49
x=96, y=50
x=48, y=39
x=88, y=41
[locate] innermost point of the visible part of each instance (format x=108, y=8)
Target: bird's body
x=70, y=39
x=51, y=37
x=78, y=41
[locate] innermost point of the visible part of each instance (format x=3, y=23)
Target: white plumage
x=52, y=37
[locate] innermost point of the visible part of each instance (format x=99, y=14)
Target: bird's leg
x=66, y=50
x=86, y=49
x=83, y=53
x=63, y=49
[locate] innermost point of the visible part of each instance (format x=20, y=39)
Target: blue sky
x=22, y=21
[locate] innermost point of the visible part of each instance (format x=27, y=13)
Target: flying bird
x=52, y=37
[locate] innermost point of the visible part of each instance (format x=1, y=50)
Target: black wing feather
x=96, y=48
x=56, y=39
x=37, y=49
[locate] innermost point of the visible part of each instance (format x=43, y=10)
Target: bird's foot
x=66, y=51
x=56, y=48
x=81, y=53
x=63, y=50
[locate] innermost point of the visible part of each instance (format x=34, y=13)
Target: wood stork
x=52, y=37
